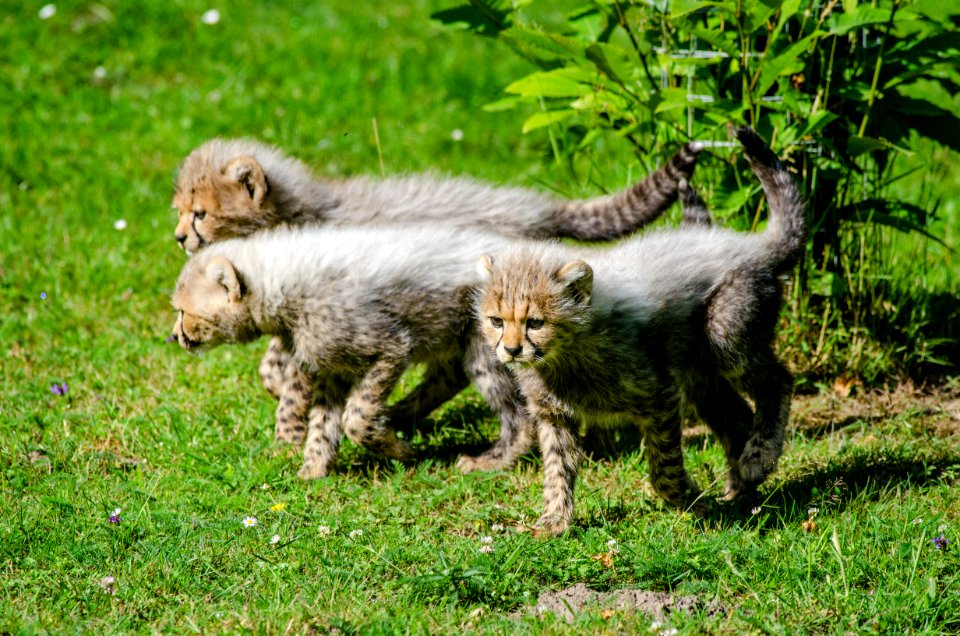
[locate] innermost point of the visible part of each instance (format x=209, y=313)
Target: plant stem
x=876, y=69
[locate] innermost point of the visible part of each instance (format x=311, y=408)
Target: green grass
x=183, y=444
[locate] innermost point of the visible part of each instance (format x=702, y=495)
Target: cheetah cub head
x=216, y=203
x=529, y=309
x=212, y=305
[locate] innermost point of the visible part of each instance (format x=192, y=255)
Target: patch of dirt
x=936, y=409
x=579, y=598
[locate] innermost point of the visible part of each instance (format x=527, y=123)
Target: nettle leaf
x=486, y=17
x=816, y=122
x=507, y=103
x=725, y=41
x=757, y=13
x=926, y=118
x=543, y=46
x=857, y=145
x=788, y=9
x=784, y=63
x=937, y=10
x=865, y=15
x=539, y=120
x=560, y=82
x=827, y=284
x=613, y=61
x=672, y=99
x=607, y=101
x=680, y=8
x=854, y=91
x=885, y=212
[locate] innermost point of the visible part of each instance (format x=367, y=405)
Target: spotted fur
x=354, y=308
x=689, y=313
x=231, y=188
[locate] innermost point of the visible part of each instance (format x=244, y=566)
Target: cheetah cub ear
x=485, y=267
x=221, y=271
x=246, y=172
x=577, y=277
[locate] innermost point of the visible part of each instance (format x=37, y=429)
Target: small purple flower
x=43, y=295
x=171, y=338
x=58, y=389
x=941, y=542
x=115, y=516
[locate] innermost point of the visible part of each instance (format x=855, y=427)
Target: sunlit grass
x=100, y=101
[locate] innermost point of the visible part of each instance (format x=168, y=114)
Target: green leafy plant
x=845, y=90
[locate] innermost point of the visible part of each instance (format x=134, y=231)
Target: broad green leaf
x=602, y=100
x=561, y=82
x=885, y=212
x=816, y=122
x=539, y=120
x=788, y=9
x=926, y=118
x=827, y=284
x=725, y=41
x=757, y=13
x=854, y=91
x=784, y=63
x=486, y=17
x=672, y=99
x=937, y=10
x=857, y=145
x=507, y=103
x=680, y=8
x=543, y=46
x=613, y=61
x=849, y=6
x=865, y=15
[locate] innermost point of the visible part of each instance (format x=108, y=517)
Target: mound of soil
x=579, y=598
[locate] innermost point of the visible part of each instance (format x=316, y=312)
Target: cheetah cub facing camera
x=686, y=313
x=229, y=188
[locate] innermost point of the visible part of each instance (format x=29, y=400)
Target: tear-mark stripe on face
x=191, y=343
x=202, y=242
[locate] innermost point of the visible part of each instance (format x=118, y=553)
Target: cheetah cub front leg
x=364, y=419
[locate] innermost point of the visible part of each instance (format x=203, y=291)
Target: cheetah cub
x=354, y=307
x=229, y=188
x=685, y=313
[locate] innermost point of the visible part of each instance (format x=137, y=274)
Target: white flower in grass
x=120, y=224
x=486, y=540
x=486, y=549
x=275, y=539
x=47, y=11
x=497, y=527
x=265, y=486
x=210, y=17
x=249, y=522
x=755, y=511
x=324, y=531
x=99, y=73
x=356, y=533
x=107, y=584
x=456, y=134
x=812, y=511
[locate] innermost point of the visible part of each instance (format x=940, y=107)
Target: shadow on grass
x=864, y=476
